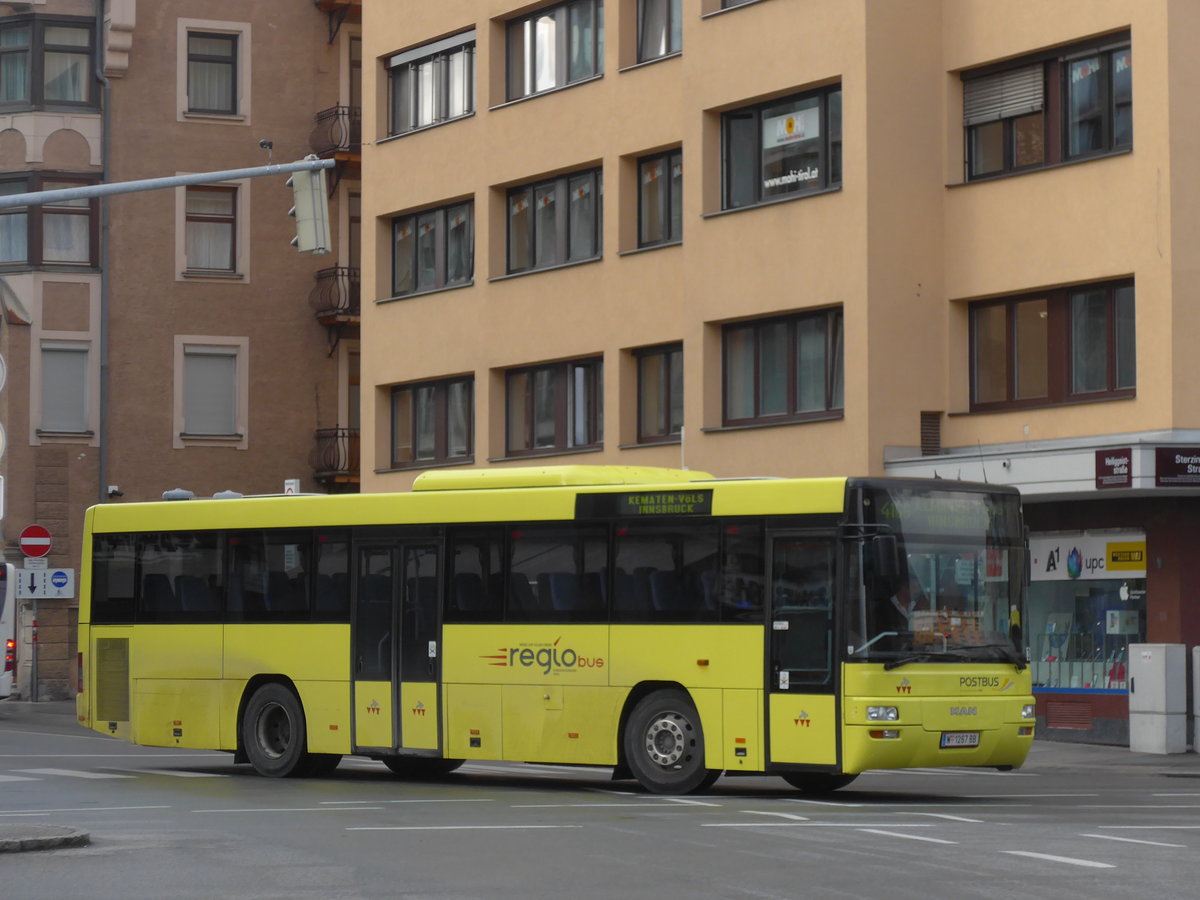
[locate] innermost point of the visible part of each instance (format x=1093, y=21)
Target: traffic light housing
x=310, y=209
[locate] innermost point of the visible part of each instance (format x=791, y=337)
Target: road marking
x=911, y=837
x=1126, y=805
x=685, y=801
x=82, y=809
x=453, y=827
x=1113, y=837
x=287, y=809
x=176, y=773
x=950, y=770
x=1069, y=860
x=72, y=773
x=1153, y=827
x=17, y=778
x=463, y=800
x=660, y=805
x=1022, y=796
x=951, y=818
x=792, y=816
x=814, y=825
x=1175, y=795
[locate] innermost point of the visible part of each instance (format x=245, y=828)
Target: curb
x=19, y=838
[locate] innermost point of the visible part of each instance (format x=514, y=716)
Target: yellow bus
x=661, y=622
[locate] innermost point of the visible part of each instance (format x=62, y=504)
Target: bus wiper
x=926, y=656
x=1007, y=653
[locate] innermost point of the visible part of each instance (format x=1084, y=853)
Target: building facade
x=168, y=338
x=808, y=237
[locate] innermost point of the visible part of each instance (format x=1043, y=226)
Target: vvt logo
x=803, y=720
x=373, y=708
x=904, y=687
x=419, y=709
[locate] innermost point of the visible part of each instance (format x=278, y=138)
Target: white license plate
x=960, y=739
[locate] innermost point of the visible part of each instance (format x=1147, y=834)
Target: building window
x=1054, y=347
x=555, y=222
x=432, y=422
x=212, y=65
x=45, y=62
x=432, y=84
x=660, y=28
x=60, y=233
x=1048, y=109
x=660, y=393
x=660, y=199
x=211, y=228
x=554, y=47
x=432, y=250
x=211, y=391
x=785, y=369
x=64, y=388
x=783, y=148
x=729, y=4
x=555, y=407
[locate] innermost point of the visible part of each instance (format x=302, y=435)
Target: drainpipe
x=105, y=134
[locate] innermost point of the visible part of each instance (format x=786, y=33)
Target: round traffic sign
x=35, y=541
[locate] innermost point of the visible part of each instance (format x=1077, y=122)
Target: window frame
x=437, y=54
x=1060, y=349
x=231, y=61
x=666, y=432
x=668, y=196
x=239, y=349
x=830, y=175
x=565, y=413
x=562, y=63
x=35, y=63
x=834, y=364
x=241, y=88
x=441, y=217
x=1001, y=98
x=672, y=28
x=230, y=219
x=35, y=230
x=78, y=348
x=561, y=187
x=442, y=392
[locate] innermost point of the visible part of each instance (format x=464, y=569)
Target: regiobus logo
x=547, y=657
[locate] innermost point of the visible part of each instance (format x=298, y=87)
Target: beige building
x=809, y=237
x=169, y=338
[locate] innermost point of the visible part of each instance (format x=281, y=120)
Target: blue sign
x=59, y=579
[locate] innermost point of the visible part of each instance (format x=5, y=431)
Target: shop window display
x=1087, y=604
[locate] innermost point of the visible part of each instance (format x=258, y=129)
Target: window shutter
x=210, y=391
x=1016, y=92
x=64, y=387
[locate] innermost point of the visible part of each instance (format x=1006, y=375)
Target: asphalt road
x=1076, y=822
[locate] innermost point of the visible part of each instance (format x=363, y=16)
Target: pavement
x=1045, y=755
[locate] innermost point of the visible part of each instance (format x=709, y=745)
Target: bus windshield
x=953, y=591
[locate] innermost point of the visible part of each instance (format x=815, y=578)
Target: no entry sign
x=35, y=541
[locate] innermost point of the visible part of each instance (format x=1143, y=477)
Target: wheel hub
x=274, y=731
x=665, y=741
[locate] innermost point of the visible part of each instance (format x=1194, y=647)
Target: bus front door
x=802, y=702
x=395, y=647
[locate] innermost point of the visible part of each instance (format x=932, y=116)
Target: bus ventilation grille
x=112, y=679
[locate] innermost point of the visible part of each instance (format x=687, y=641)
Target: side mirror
x=886, y=553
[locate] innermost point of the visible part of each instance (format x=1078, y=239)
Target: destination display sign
x=642, y=504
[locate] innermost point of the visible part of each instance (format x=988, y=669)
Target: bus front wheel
x=664, y=745
x=273, y=732
x=817, y=782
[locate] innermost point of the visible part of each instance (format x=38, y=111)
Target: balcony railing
x=337, y=130
x=335, y=294
x=334, y=458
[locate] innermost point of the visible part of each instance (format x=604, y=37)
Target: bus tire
x=664, y=745
x=817, y=782
x=274, y=734
x=420, y=766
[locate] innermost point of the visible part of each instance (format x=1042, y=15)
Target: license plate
x=960, y=739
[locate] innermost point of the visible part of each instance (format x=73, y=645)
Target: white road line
x=1022, y=796
x=72, y=773
x=911, y=837
x=685, y=801
x=287, y=809
x=18, y=778
x=464, y=800
x=949, y=770
x=176, y=773
x=81, y=809
x=660, y=805
x=782, y=815
x=951, y=818
x=1069, y=860
x=1175, y=795
x=814, y=825
x=1132, y=805
x=1113, y=837
x=450, y=828
x=1152, y=827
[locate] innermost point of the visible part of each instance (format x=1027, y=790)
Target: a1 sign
x=35, y=541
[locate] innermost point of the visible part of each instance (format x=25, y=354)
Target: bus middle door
x=801, y=699
x=396, y=646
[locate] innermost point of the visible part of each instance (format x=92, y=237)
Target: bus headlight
x=1029, y=711
x=882, y=713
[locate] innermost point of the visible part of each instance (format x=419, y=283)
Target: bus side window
x=476, y=591
x=331, y=600
x=113, y=574
x=557, y=574
x=665, y=571
x=739, y=585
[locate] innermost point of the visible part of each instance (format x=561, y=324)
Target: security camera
x=266, y=145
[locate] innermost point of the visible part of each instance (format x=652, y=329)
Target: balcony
x=335, y=294
x=334, y=459
x=338, y=134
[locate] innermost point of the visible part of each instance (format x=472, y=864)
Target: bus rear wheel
x=274, y=734
x=664, y=745
x=817, y=782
